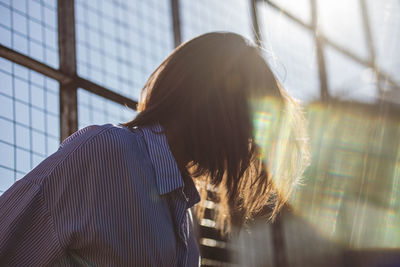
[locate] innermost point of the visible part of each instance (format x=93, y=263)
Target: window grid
x=201, y=17
x=349, y=35
x=30, y=27
x=132, y=44
x=30, y=119
x=339, y=41
x=93, y=109
x=297, y=69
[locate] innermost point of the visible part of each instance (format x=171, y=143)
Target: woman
x=121, y=195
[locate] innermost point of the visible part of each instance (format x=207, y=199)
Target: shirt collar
x=168, y=175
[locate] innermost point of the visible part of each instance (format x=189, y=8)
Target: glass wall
x=198, y=17
x=290, y=51
x=120, y=43
x=30, y=27
x=93, y=109
x=29, y=120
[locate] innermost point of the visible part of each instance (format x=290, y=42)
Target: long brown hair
x=206, y=86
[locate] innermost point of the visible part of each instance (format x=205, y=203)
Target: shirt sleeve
x=27, y=236
x=33, y=230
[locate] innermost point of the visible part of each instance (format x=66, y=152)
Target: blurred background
x=68, y=64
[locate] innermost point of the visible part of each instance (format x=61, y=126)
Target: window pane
x=120, y=43
x=385, y=26
x=199, y=17
x=341, y=22
x=347, y=79
x=93, y=109
x=30, y=125
x=30, y=27
x=290, y=51
x=301, y=9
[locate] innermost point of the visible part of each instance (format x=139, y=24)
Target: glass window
x=29, y=119
x=198, y=17
x=94, y=109
x=385, y=26
x=341, y=22
x=348, y=79
x=120, y=43
x=301, y=9
x=30, y=28
x=290, y=52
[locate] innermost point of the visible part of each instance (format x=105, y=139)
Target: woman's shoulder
x=91, y=143
x=98, y=134
x=84, y=134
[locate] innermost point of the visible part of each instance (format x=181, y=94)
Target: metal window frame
x=67, y=58
x=322, y=41
x=66, y=74
x=69, y=80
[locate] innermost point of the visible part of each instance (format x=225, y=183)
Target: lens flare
x=350, y=193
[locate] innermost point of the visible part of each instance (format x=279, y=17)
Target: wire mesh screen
x=93, y=109
x=120, y=43
x=29, y=121
x=30, y=27
x=204, y=16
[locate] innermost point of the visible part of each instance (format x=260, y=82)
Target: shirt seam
x=63, y=246
x=51, y=219
x=48, y=213
x=69, y=154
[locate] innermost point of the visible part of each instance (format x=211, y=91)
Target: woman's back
x=108, y=196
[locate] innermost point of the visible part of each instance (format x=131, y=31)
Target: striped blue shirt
x=109, y=196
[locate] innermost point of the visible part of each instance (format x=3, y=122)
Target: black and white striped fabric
x=109, y=196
